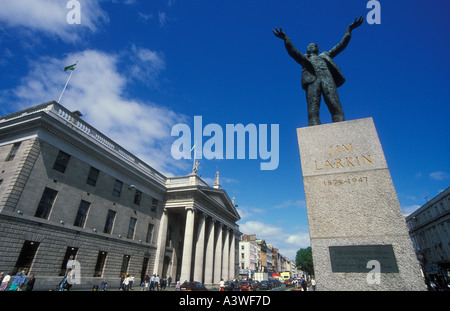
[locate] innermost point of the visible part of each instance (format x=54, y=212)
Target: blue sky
x=144, y=66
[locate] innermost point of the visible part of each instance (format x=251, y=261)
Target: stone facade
x=67, y=189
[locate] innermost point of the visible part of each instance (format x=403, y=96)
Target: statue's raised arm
x=346, y=39
x=290, y=48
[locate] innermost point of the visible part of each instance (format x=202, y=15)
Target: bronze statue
x=321, y=75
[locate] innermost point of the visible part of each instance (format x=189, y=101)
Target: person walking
x=30, y=283
x=5, y=282
x=157, y=283
x=152, y=283
x=313, y=284
x=18, y=281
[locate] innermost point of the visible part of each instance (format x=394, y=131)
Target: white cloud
x=291, y=203
x=247, y=212
x=408, y=210
x=439, y=175
x=98, y=90
x=288, y=243
x=262, y=230
x=49, y=17
x=145, y=65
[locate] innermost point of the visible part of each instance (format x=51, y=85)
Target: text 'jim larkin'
x=213, y=148
x=343, y=158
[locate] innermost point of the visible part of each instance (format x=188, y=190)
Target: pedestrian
x=152, y=282
x=103, y=286
x=222, y=285
x=30, y=283
x=122, y=279
x=131, y=281
x=304, y=284
x=18, y=281
x=163, y=283
x=313, y=284
x=126, y=283
x=169, y=280
x=157, y=283
x=178, y=286
x=147, y=282
x=5, y=282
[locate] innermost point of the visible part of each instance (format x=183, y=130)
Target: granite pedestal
x=358, y=234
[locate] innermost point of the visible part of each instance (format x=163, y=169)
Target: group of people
x=20, y=281
x=305, y=284
x=155, y=283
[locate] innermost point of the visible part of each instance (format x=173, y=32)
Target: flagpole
x=65, y=87
x=70, y=76
x=195, y=152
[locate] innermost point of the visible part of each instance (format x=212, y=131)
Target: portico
x=198, y=231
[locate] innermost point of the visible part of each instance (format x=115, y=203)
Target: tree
x=304, y=260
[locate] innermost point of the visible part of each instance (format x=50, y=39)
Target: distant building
x=68, y=190
x=429, y=228
x=257, y=256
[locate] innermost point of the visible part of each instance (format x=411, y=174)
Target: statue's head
x=312, y=48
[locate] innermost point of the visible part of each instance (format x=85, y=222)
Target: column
x=161, y=246
x=187, y=245
x=209, y=259
x=199, y=250
x=218, y=256
x=226, y=255
x=232, y=269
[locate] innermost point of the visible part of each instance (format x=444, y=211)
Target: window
x=117, y=188
x=61, y=162
x=149, y=233
x=13, y=152
x=83, y=209
x=100, y=265
x=93, y=176
x=154, y=204
x=131, y=227
x=46, y=203
x=26, y=256
x=137, y=197
x=125, y=263
x=109, y=222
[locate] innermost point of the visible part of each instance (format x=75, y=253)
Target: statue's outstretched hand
x=358, y=22
x=279, y=33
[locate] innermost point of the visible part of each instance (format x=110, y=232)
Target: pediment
x=221, y=198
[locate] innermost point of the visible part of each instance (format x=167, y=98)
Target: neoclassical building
x=68, y=190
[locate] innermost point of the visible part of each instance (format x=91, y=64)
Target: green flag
x=71, y=67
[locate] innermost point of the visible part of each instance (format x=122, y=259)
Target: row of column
x=213, y=253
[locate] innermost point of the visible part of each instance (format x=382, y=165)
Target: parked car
x=193, y=286
x=265, y=285
x=274, y=283
x=247, y=286
x=288, y=282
